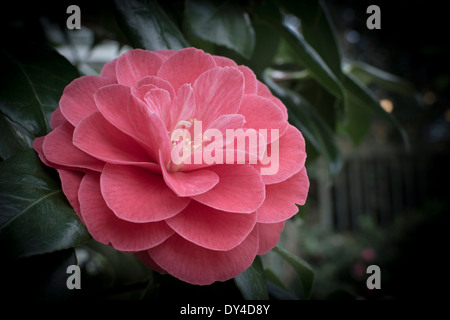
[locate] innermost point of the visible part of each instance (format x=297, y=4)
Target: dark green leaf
x=32, y=85
x=320, y=99
x=368, y=75
x=311, y=60
x=277, y=289
x=147, y=26
x=304, y=52
x=266, y=46
x=364, y=98
x=35, y=216
x=14, y=138
x=301, y=267
x=318, y=30
x=252, y=283
x=224, y=23
x=312, y=126
x=358, y=119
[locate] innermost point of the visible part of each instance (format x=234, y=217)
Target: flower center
x=186, y=138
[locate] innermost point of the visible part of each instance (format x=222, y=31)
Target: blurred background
x=374, y=201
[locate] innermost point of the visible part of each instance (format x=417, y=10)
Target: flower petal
x=100, y=139
x=70, y=183
x=150, y=129
x=184, y=66
x=136, y=64
x=107, y=228
x=183, y=107
x=187, y=184
x=251, y=83
x=57, y=118
x=59, y=149
x=212, y=229
x=109, y=70
x=240, y=189
x=261, y=113
x=264, y=91
x=112, y=102
x=148, y=261
x=196, y=265
x=138, y=195
x=218, y=91
x=281, y=198
x=164, y=54
x=290, y=160
x=77, y=101
x=269, y=235
x=224, y=62
x=158, y=83
x=160, y=98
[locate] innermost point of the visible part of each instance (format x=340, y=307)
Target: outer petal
x=109, y=70
x=218, y=91
x=261, y=113
x=70, y=182
x=212, y=229
x=269, y=235
x=77, y=101
x=135, y=65
x=164, y=54
x=251, y=83
x=265, y=92
x=97, y=137
x=291, y=159
x=59, y=149
x=240, y=189
x=148, y=261
x=138, y=195
x=37, y=146
x=107, y=228
x=200, y=266
x=57, y=118
x=184, y=66
x=224, y=62
x=281, y=198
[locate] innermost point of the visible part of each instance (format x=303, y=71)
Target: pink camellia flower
x=140, y=190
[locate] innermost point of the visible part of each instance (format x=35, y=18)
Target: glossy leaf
x=32, y=85
x=266, y=47
x=35, y=216
x=312, y=126
x=147, y=26
x=304, y=53
x=311, y=60
x=301, y=267
x=368, y=75
x=252, y=283
x=222, y=22
x=362, y=96
x=358, y=119
x=318, y=30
